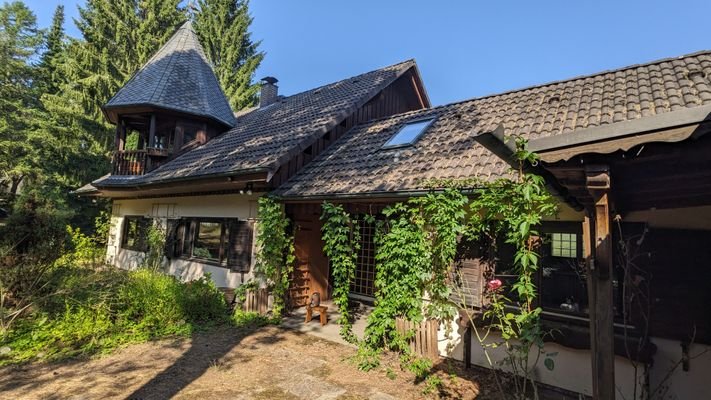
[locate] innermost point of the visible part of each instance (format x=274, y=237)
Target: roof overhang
x=670, y=127
x=111, y=112
x=177, y=187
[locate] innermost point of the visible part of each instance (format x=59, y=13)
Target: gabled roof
x=265, y=138
x=179, y=78
x=356, y=165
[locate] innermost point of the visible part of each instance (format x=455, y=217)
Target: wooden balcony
x=129, y=162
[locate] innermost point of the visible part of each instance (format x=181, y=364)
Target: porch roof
x=357, y=165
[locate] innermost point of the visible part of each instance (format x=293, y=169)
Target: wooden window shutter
x=240, y=245
x=172, y=238
x=190, y=228
x=470, y=268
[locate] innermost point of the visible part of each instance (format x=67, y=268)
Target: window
x=134, y=233
x=564, y=245
x=561, y=279
x=408, y=134
x=222, y=241
x=209, y=237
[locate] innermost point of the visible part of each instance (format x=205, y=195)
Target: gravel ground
x=230, y=363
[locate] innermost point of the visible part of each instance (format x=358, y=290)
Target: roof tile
x=448, y=150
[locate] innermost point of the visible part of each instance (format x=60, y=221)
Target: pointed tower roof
x=179, y=78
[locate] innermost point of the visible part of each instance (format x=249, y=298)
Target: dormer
x=172, y=104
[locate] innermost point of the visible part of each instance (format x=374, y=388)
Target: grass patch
x=95, y=311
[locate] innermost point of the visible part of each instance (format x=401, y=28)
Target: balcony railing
x=129, y=162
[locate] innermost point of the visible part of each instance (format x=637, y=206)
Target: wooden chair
x=323, y=315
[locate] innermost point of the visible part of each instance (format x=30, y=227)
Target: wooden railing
x=129, y=162
x=256, y=301
x=424, y=340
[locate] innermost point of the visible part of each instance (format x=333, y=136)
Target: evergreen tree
x=118, y=37
x=223, y=29
x=20, y=40
x=54, y=50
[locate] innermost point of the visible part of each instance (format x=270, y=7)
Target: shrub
x=251, y=319
x=202, y=301
x=95, y=310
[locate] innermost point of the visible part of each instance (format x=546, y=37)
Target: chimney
x=270, y=91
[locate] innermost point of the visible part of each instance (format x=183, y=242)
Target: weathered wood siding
x=468, y=276
x=397, y=98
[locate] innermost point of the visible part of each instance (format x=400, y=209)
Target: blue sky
x=464, y=49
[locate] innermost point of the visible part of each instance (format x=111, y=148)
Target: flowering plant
x=494, y=285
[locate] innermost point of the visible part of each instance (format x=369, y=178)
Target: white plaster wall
x=679, y=384
x=219, y=206
x=675, y=218
x=572, y=370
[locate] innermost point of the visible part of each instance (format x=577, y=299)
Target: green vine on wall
x=341, y=236
x=275, y=258
x=403, y=260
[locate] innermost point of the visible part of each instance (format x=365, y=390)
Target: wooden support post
x=598, y=239
x=152, y=132
x=120, y=135
x=468, y=346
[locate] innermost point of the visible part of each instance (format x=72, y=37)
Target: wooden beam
x=152, y=132
x=598, y=235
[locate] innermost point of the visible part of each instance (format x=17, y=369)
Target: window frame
x=186, y=233
x=430, y=121
x=555, y=314
x=221, y=251
x=142, y=245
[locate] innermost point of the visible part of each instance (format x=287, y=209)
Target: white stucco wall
x=572, y=368
x=219, y=206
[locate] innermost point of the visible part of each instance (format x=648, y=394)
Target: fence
x=257, y=301
x=424, y=340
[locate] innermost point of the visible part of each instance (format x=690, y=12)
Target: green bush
x=251, y=319
x=93, y=311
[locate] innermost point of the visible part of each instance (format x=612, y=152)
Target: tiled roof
x=265, y=137
x=178, y=77
x=356, y=164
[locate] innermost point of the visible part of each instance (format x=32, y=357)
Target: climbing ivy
x=275, y=258
x=403, y=260
x=341, y=238
x=445, y=216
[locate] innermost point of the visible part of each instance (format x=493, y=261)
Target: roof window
x=409, y=133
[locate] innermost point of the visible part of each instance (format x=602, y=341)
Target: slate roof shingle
x=263, y=138
x=178, y=77
x=356, y=164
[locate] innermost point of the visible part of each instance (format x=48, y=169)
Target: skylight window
x=408, y=134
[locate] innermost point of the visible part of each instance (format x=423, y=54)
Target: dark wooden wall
x=401, y=96
x=678, y=266
x=311, y=272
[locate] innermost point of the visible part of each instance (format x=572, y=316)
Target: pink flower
x=493, y=284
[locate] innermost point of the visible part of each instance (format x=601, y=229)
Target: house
x=629, y=142
x=200, y=169
x=645, y=126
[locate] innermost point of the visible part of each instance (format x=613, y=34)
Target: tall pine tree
x=54, y=50
x=223, y=29
x=118, y=37
x=20, y=41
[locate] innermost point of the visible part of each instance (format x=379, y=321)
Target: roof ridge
x=579, y=77
x=474, y=99
x=410, y=61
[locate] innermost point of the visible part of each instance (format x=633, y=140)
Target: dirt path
x=270, y=363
